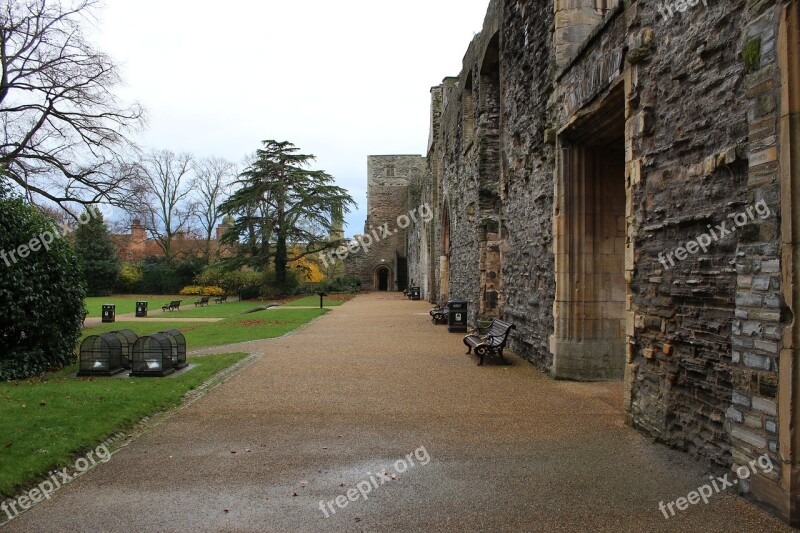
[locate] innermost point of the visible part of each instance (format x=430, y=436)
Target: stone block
x=740, y=399
x=749, y=437
x=767, y=346
x=758, y=362
x=734, y=414
x=763, y=157
x=765, y=406
x=752, y=421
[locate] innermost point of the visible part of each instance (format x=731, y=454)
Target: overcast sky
x=340, y=79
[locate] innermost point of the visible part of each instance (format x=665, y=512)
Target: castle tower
x=384, y=266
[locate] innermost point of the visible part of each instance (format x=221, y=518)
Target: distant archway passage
x=383, y=277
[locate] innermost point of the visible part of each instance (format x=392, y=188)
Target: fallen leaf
x=24, y=406
x=358, y=518
x=225, y=511
x=233, y=451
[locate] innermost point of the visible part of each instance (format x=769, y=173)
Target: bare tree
x=214, y=177
x=165, y=206
x=62, y=129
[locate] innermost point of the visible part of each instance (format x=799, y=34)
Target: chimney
x=138, y=240
x=138, y=233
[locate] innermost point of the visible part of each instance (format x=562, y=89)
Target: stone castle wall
x=581, y=148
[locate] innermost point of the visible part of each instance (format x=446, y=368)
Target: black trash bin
x=141, y=309
x=457, y=317
x=415, y=293
x=109, y=313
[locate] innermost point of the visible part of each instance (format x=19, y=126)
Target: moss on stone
x=751, y=55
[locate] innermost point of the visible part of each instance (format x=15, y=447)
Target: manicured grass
x=255, y=326
x=332, y=300
x=188, y=310
x=143, y=327
x=45, y=422
x=126, y=304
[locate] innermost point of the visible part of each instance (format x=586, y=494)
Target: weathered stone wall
x=689, y=178
x=527, y=180
x=686, y=110
x=761, y=310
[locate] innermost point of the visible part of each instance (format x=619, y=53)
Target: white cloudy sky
x=340, y=79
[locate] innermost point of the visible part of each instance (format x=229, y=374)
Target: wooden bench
x=221, y=299
x=202, y=301
x=439, y=314
x=493, y=342
x=172, y=306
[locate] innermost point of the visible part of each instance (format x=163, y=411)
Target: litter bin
x=109, y=313
x=457, y=317
x=141, y=309
x=415, y=293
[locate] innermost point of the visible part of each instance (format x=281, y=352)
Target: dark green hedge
x=41, y=295
x=160, y=276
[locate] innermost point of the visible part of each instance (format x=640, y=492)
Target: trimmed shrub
x=160, y=276
x=232, y=282
x=194, y=290
x=42, y=294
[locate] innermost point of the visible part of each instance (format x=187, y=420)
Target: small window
x=389, y=171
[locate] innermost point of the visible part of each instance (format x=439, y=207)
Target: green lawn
x=45, y=423
x=255, y=326
x=127, y=304
x=188, y=310
x=332, y=300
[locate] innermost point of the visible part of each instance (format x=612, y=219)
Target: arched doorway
x=383, y=279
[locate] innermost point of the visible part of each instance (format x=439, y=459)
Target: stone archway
x=383, y=279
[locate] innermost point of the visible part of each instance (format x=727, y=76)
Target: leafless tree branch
x=63, y=131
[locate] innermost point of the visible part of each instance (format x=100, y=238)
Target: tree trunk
x=280, y=262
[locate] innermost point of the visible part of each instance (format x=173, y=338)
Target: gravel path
x=506, y=448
